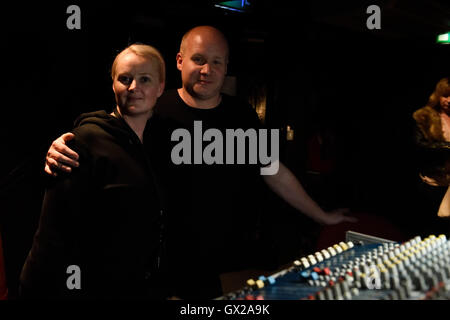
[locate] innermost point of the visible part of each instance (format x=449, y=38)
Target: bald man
x=212, y=207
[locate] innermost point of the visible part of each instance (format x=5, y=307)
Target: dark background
x=319, y=64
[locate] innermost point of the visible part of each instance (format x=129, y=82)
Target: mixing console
x=357, y=270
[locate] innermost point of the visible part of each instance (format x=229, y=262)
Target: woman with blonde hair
x=99, y=234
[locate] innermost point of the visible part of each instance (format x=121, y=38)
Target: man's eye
x=198, y=60
x=145, y=80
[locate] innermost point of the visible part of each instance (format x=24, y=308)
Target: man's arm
x=60, y=156
x=287, y=186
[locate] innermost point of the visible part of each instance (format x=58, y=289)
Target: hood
x=115, y=126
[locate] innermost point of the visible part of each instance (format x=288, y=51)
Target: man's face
x=203, y=65
x=445, y=104
x=136, y=84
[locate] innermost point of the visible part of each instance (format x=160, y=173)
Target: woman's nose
x=133, y=85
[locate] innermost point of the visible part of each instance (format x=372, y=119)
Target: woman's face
x=136, y=85
x=445, y=104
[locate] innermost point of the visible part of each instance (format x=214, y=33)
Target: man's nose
x=206, y=69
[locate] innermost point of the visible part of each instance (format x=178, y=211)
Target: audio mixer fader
x=361, y=268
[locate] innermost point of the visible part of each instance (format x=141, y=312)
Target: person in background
x=432, y=138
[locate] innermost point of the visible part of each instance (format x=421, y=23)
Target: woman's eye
x=124, y=79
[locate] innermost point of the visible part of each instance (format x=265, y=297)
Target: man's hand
x=60, y=156
x=338, y=216
x=289, y=188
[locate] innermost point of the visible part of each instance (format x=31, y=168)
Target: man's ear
x=179, y=60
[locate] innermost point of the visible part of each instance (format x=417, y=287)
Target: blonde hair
x=145, y=51
x=442, y=89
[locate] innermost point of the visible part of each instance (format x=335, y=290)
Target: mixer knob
x=379, y=261
x=305, y=274
x=259, y=284
x=312, y=259
x=305, y=262
x=391, y=255
x=337, y=248
x=314, y=275
x=393, y=269
x=251, y=283
x=325, y=254
x=326, y=271
x=343, y=245
x=332, y=251
x=319, y=256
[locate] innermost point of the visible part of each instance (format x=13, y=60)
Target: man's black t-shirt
x=213, y=209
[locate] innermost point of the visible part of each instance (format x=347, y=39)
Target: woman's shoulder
x=425, y=113
x=95, y=129
x=428, y=120
x=88, y=132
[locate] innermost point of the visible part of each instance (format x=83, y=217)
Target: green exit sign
x=443, y=38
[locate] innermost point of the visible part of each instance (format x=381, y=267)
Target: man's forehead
x=210, y=48
x=213, y=53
